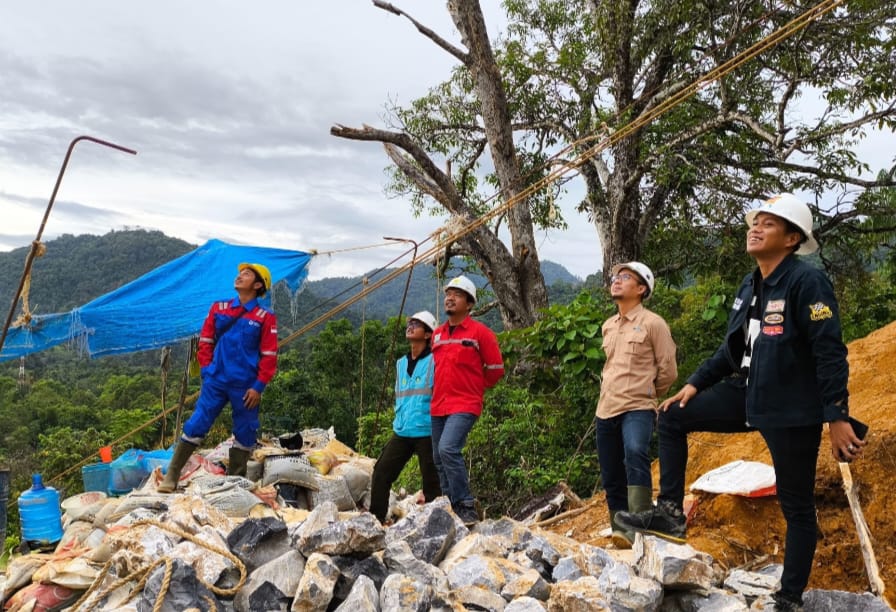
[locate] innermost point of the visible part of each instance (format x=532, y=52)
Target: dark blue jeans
x=449, y=436
x=794, y=450
x=623, y=449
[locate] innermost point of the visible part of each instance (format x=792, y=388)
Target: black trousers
x=392, y=459
x=794, y=450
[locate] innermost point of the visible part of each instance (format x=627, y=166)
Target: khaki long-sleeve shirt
x=640, y=364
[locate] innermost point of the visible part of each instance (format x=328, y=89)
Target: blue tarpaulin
x=160, y=308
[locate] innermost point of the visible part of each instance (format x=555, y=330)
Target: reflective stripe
x=431, y=374
x=209, y=340
x=411, y=392
x=500, y=366
x=268, y=352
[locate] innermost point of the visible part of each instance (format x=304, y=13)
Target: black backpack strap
x=231, y=323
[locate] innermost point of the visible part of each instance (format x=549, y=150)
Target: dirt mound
x=742, y=532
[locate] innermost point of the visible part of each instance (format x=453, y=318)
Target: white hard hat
x=791, y=208
x=464, y=284
x=641, y=270
x=425, y=317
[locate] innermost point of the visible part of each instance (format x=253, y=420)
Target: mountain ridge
x=77, y=269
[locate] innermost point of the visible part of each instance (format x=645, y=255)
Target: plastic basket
x=96, y=477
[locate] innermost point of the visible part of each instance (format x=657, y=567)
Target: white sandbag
x=747, y=478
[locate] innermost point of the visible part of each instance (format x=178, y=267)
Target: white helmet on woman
x=641, y=270
x=790, y=208
x=425, y=317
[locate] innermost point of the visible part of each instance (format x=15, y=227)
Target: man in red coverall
x=238, y=358
x=468, y=361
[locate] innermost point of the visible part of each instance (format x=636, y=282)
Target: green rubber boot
x=182, y=453
x=239, y=459
x=639, y=499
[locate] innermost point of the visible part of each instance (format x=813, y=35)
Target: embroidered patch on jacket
x=737, y=304
x=774, y=318
x=775, y=306
x=819, y=311
x=437, y=337
x=773, y=330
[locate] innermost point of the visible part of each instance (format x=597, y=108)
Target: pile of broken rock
x=186, y=554
x=231, y=543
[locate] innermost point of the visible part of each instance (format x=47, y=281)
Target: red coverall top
x=468, y=361
x=246, y=354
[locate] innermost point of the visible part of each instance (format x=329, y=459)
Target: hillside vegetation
x=535, y=431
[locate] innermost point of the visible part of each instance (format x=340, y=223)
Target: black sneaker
x=787, y=603
x=467, y=513
x=664, y=520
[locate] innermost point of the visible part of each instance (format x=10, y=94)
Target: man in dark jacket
x=781, y=370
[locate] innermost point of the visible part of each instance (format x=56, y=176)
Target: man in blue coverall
x=238, y=358
x=781, y=370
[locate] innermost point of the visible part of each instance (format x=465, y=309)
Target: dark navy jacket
x=798, y=370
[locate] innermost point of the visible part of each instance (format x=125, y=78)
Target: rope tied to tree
x=39, y=249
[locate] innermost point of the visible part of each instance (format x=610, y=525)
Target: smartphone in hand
x=860, y=429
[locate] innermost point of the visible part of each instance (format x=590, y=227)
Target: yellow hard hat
x=260, y=270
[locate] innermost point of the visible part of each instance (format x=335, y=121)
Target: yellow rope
x=137, y=429
x=144, y=573
x=358, y=248
x=604, y=140
x=25, y=318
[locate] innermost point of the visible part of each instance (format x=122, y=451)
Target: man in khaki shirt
x=640, y=368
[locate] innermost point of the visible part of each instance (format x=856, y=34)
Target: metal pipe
x=35, y=245
x=407, y=285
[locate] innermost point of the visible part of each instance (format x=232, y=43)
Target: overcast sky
x=229, y=105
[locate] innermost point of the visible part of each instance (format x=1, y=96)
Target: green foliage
x=536, y=428
x=329, y=381
x=524, y=443
x=698, y=320
x=867, y=302
x=564, y=346
x=62, y=448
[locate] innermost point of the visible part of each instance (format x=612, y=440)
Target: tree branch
x=824, y=174
x=444, y=44
x=889, y=112
x=686, y=136
x=434, y=181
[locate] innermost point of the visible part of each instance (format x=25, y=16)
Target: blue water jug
x=40, y=514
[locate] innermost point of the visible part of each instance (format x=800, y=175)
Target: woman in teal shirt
x=412, y=427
